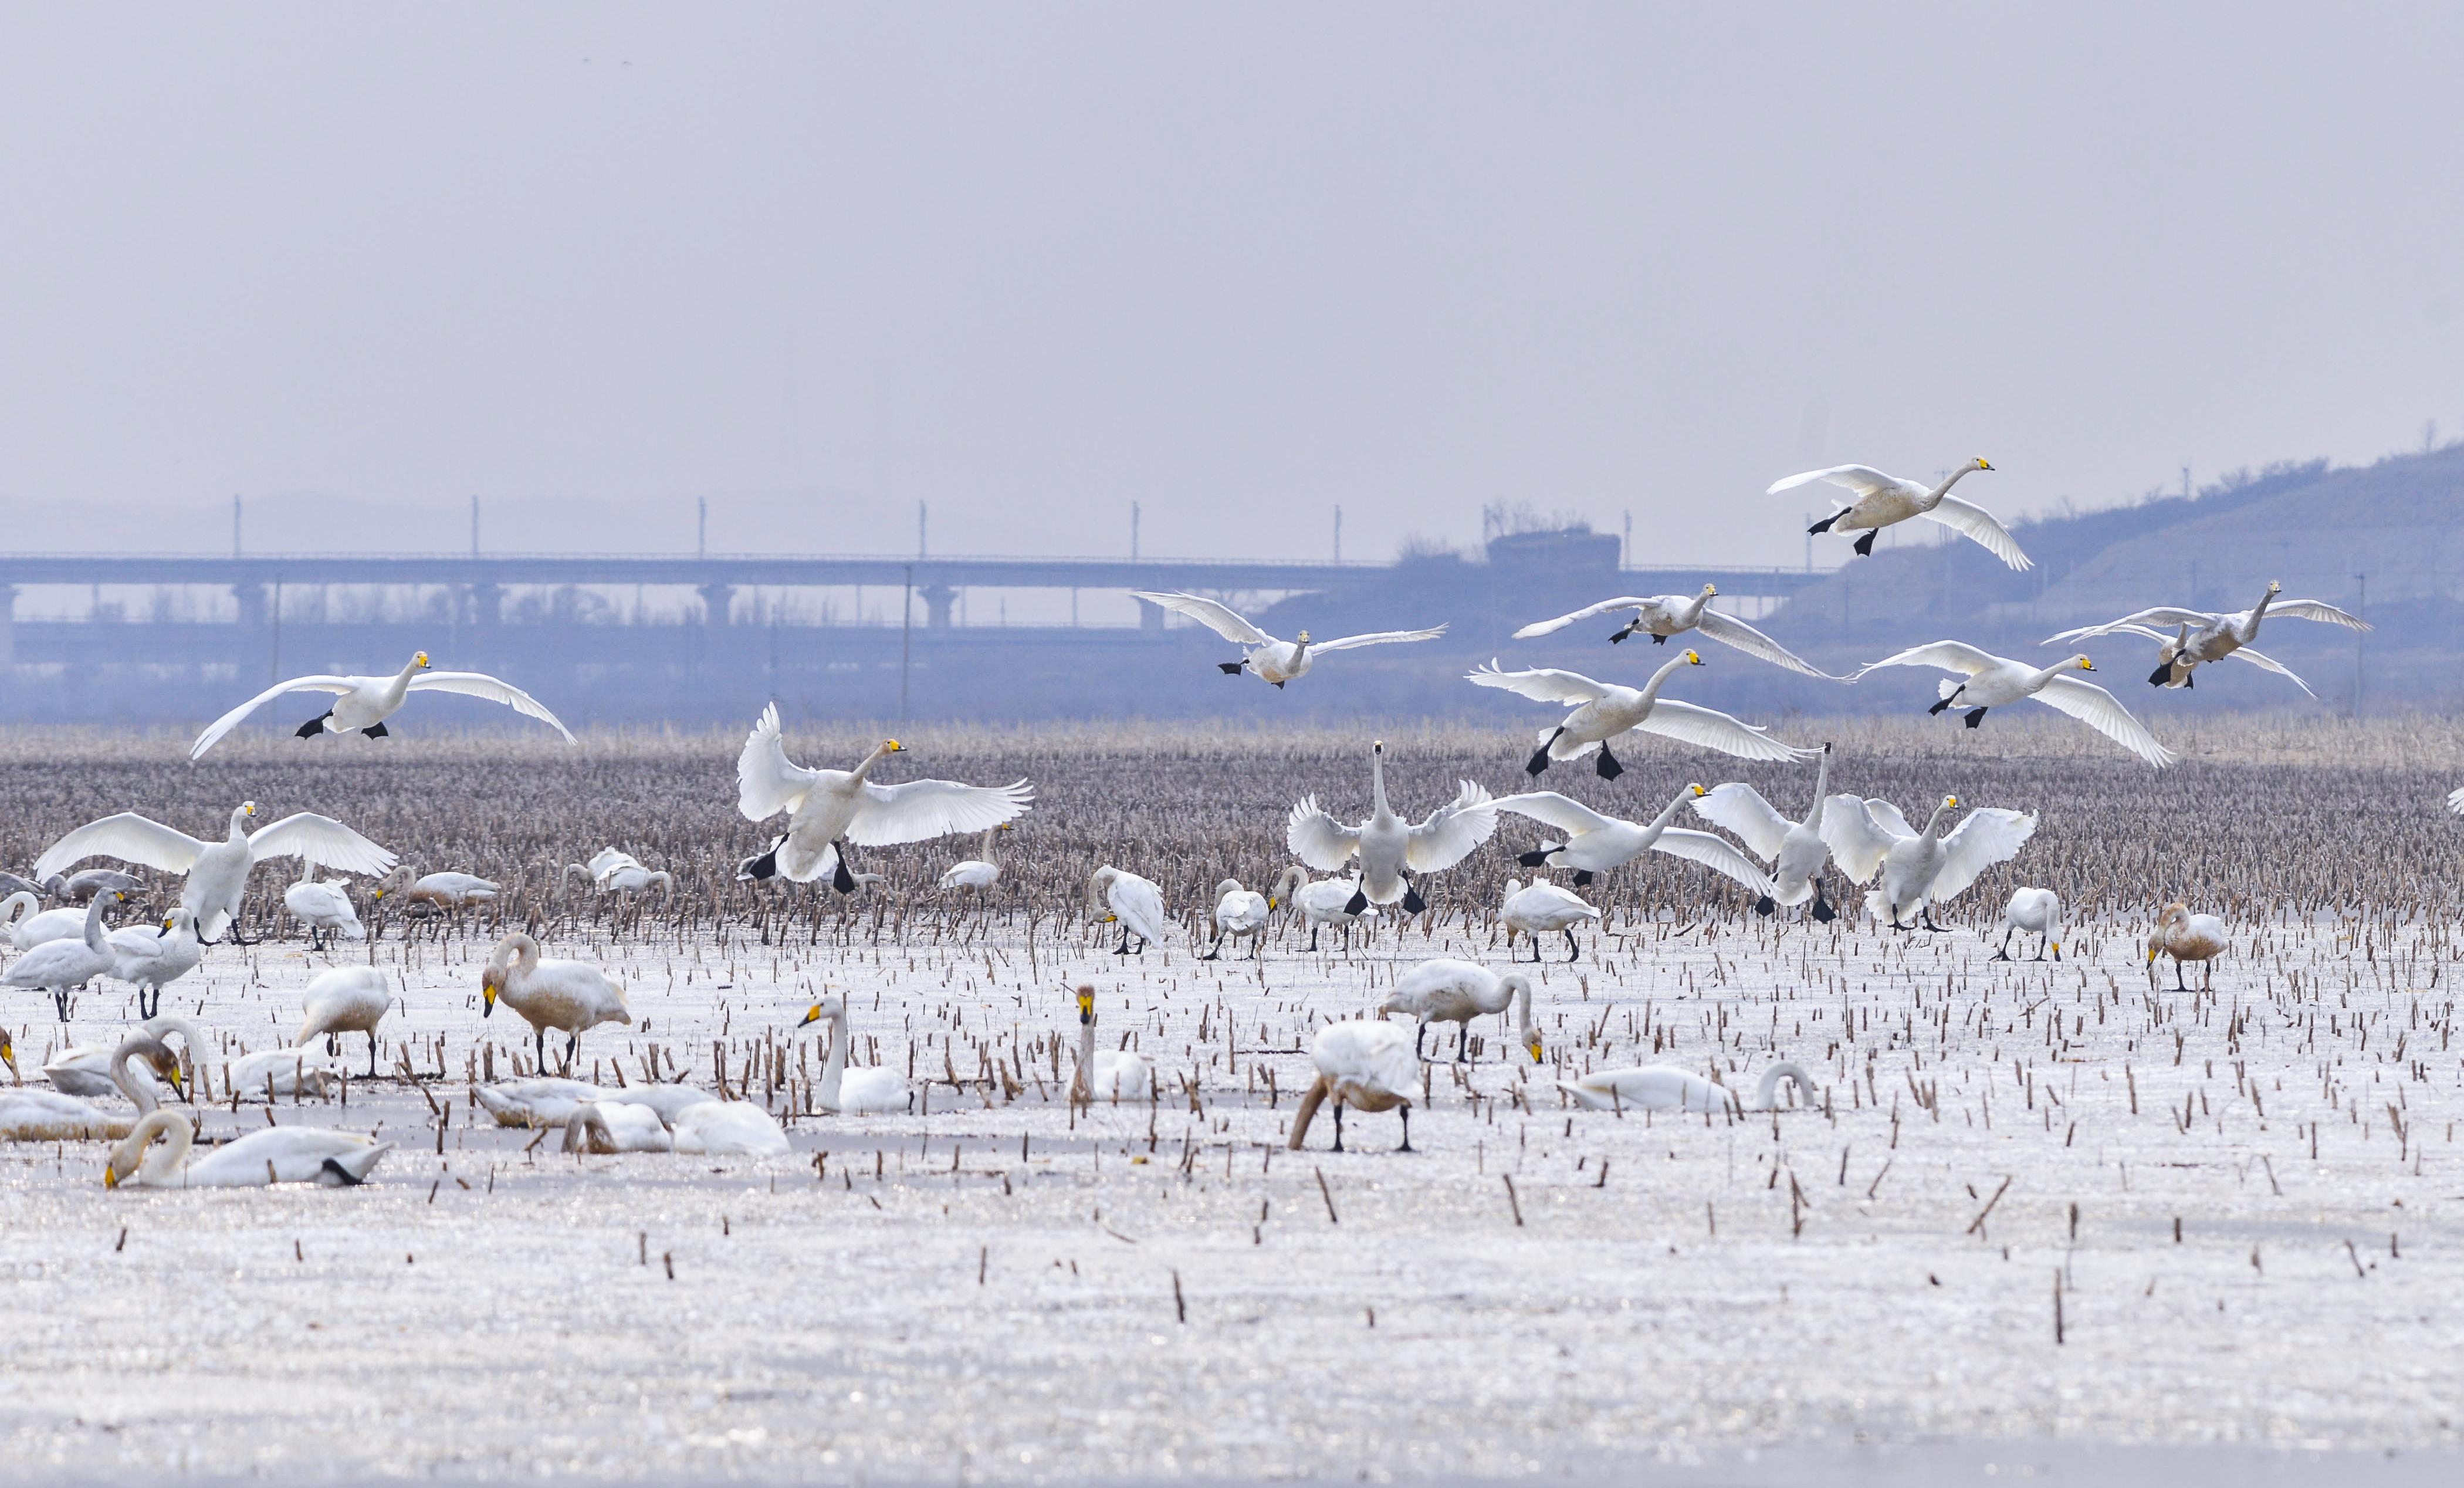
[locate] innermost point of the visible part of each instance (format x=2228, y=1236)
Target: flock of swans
x=1366, y=1063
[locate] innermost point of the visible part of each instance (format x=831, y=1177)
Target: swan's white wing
x=1990, y=835
x=1713, y=729
x=479, y=684
x=1552, y=810
x=220, y=726
x=1730, y=631
x=921, y=809
x=1947, y=656
x=2257, y=658
x=2168, y=615
x=2456, y=801
x=1715, y=853
x=766, y=781
x=319, y=839
x=1540, y=684
x=1210, y=614
x=1742, y=810
x=1450, y=833
x=1857, y=843
x=2104, y=713
x=1977, y=525
x=2316, y=609
x=1540, y=628
x=1377, y=638
x=127, y=836
x=1889, y=817
x=1317, y=838
x=1863, y=480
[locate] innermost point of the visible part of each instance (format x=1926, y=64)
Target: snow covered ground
x=2247, y=1204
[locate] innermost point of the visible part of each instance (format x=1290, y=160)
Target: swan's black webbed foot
x=1231, y=668
x=1537, y=858
x=1976, y=717
x=374, y=731
x=1764, y=905
x=1606, y=767
x=2163, y=674
x=314, y=727
x=1412, y=903
x=1866, y=544
x=1938, y=707
x=1824, y=526
x=1353, y=906
x=1582, y=878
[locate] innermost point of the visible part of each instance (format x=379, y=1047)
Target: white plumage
x=2035, y=912
x=1665, y=1087
x=1920, y=869
x=1604, y=710
x=280, y=1154
x=1884, y=500
x=363, y=703
x=827, y=809
x=1542, y=909
x=1390, y=848
x=1661, y=617
x=1795, y=850
x=1447, y=991
x=2202, y=635
x=1991, y=682
x=1113, y=1075
x=567, y=995
x=1323, y=902
x=1136, y=903
x=216, y=873
x=1276, y=661
x=852, y=1091
x=1596, y=842
x=1363, y=1062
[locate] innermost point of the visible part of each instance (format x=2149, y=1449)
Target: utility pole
x=702, y=526
x=475, y=526
x=1338, y=534
x=905, y=637
x=1625, y=547
x=1134, y=532
x=234, y=526
x=920, y=510
x=2185, y=482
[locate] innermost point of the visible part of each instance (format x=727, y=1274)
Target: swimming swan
x=1884, y=500
x=52, y=1116
x=1276, y=661
x=1391, y=849
x=217, y=872
x=1991, y=682
x=1604, y=710
x=829, y=808
x=1661, y=617
x=363, y=703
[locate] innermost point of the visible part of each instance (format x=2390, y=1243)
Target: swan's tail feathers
x=1949, y=687
x=1309, y=1102
x=1587, y=1099
x=351, y=1170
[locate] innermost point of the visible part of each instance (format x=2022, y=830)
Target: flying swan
x=1661, y=617
x=829, y=808
x=217, y=872
x=1605, y=710
x=1277, y=661
x=2201, y=636
x=1391, y=849
x=1884, y=500
x=1596, y=842
x=1795, y=850
x=363, y=703
x=1920, y=869
x=1991, y=682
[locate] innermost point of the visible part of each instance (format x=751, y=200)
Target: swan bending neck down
x=280, y=1154
x=1361, y=1062
x=1665, y=1087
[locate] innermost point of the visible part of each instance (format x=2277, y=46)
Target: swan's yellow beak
x=1535, y=1051
x=892, y=746
x=1982, y=463
x=1270, y=901
x=110, y=1175
x=1712, y=589
x=2151, y=955
x=1698, y=790
x=1304, y=637
x=1005, y=827
x=2085, y=665
x=812, y=1015
x=172, y=1076
x=1693, y=658
x=1112, y=918
x=419, y=660
x=490, y=982
x=8, y=1057
x=247, y=808
x=2057, y=948
x=1951, y=800
x=1085, y=1005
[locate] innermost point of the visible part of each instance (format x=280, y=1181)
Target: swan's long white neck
x=159, y=1169
x=93, y=924
x=880, y=752
x=1651, y=689
x=1933, y=498
x=17, y=906
x=1693, y=612
x=1377, y=786
x=1769, y=1090
x=1294, y=879
x=139, y=1095
x=1933, y=823
x=239, y=825
x=1096, y=883
x=522, y=954
x=1521, y=986
x=834, y=1068
x=1668, y=812
x=1086, y=1056
x=1821, y=788
x=2258, y=612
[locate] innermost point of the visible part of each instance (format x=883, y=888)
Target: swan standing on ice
x=829, y=808
x=51, y=1115
x=1883, y=500
x=1276, y=661
x=978, y=874
x=2186, y=937
x=1135, y=902
x=1795, y=850
x=1542, y=909
x=1661, y=617
x=1389, y=847
x=1444, y=990
x=1921, y=869
x=363, y=703
x=569, y=995
x=349, y=1000
x=1363, y=1062
x=62, y=966
x=1239, y=913
x=1605, y=710
x=1323, y=902
x=2201, y=636
x=1115, y=1075
x=1991, y=682
x=324, y=908
x=279, y=1154
x=2036, y=911
x=1596, y=842
x=217, y=873
x=1665, y=1087
x=858, y=1091
x=151, y=960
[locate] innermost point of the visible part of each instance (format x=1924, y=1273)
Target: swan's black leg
x=1537, y=858
x=1539, y=760
x=1419, y=1040
x=1339, y=1126
x=1925, y=919
x=1660, y=640
x=1976, y=717
x=374, y=731
x=1574, y=952
x=1824, y=526
x=1313, y=938
x=1125, y=941
x=1215, y=950
x=572, y=1048
x=1865, y=544
x=372, y=1054
x=1948, y=699
x=1231, y=668
x=843, y=880
x=539, y=1046
x=1764, y=905
x=2004, y=954
x=1606, y=767
x=314, y=727
x=752, y=869
x=1463, y=1042
x=1407, y=1131
x=1822, y=910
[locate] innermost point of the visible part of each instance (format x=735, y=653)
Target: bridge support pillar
x=1149, y=618
x=7, y=624
x=938, y=599
x=716, y=601
x=487, y=605
x=251, y=598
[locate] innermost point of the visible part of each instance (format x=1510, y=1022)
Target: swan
x=363, y=703
x=1391, y=849
x=613, y=871
x=1665, y=1087
x=445, y=891
x=1363, y=1062
x=538, y=1101
x=2036, y=911
x=323, y=908
x=279, y=1154
x=1920, y=869
x=1596, y=842
x=829, y=808
x=2201, y=636
x=1273, y=660
x=1323, y=902
x=1445, y=990
x=151, y=960
x=84, y=884
x=1993, y=680
x=13, y=884
x=1542, y=909
x=1795, y=850
x=1135, y=902
x=978, y=873
x=570, y=995
x=2186, y=937
x=726, y=1128
x=605, y=1129
x=1661, y=617
x=51, y=1115
x=86, y=1070
x=1884, y=500
x=269, y=1074
x=1604, y=710
x=347, y=1000
x=858, y=1091
x=1117, y=1075
x=217, y=872
x=28, y=929
x=1239, y=913
x=62, y=966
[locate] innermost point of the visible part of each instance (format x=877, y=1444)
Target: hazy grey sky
x=1030, y=263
